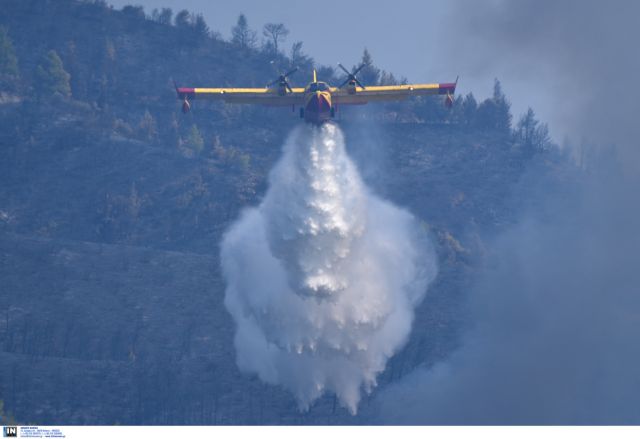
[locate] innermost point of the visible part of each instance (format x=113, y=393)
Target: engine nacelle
x=448, y=101
x=351, y=87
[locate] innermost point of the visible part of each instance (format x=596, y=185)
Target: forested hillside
x=113, y=204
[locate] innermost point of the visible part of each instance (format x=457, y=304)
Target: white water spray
x=322, y=278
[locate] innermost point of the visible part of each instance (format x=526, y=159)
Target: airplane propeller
x=185, y=102
x=351, y=76
x=448, y=101
x=282, y=80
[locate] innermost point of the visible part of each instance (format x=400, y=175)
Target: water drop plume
x=323, y=276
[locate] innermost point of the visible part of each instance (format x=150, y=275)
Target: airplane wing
x=265, y=96
x=389, y=92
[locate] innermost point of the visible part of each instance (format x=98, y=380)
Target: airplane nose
x=319, y=103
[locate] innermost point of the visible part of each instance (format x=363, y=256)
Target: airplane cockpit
x=317, y=86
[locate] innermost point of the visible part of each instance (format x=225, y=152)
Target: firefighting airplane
x=318, y=101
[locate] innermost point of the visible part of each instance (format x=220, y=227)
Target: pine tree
x=495, y=113
x=133, y=12
x=147, y=128
x=182, y=19
x=503, y=108
x=162, y=16
x=532, y=135
x=387, y=78
x=469, y=108
x=369, y=75
x=8, y=59
x=200, y=26
x=276, y=32
x=52, y=78
x=297, y=57
x=194, y=140
x=241, y=35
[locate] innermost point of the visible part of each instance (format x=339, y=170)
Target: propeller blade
x=282, y=78
x=286, y=84
x=345, y=70
x=363, y=65
x=351, y=76
x=290, y=72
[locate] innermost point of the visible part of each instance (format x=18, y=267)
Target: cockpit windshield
x=318, y=86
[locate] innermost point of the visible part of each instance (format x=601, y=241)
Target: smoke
x=572, y=61
x=323, y=277
x=555, y=318
x=556, y=312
